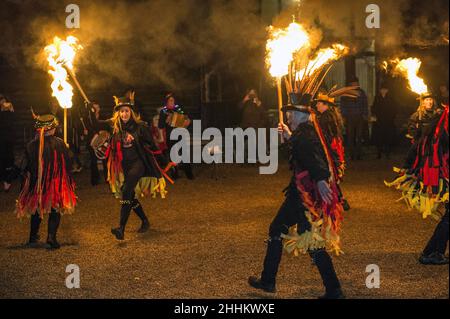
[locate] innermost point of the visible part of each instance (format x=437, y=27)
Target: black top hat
x=123, y=101
x=299, y=103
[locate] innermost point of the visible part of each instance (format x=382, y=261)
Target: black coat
x=420, y=122
x=385, y=110
x=307, y=154
x=143, y=142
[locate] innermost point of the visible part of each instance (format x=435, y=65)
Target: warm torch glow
x=59, y=54
x=282, y=45
x=409, y=68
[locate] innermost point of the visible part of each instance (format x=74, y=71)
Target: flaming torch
x=280, y=50
x=60, y=56
x=409, y=69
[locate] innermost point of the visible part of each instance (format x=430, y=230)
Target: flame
x=282, y=46
x=409, y=68
x=323, y=57
x=61, y=54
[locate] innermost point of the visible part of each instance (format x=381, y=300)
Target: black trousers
x=133, y=172
x=439, y=240
x=292, y=212
x=355, y=135
x=54, y=220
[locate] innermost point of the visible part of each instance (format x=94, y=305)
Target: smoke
x=156, y=42
x=164, y=42
x=403, y=23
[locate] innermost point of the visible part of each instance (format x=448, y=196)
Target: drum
x=100, y=143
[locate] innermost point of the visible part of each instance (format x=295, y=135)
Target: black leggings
x=133, y=172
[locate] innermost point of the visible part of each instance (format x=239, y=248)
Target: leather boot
x=145, y=224
x=34, y=229
x=125, y=211
x=329, y=278
x=54, y=220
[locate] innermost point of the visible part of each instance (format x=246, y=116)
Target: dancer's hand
x=325, y=192
x=284, y=130
x=129, y=138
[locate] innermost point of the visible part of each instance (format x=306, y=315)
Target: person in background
x=165, y=116
x=385, y=111
x=253, y=115
x=7, y=120
x=355, y=112
x=159, y=135
x=91, y=122
x=443, y=95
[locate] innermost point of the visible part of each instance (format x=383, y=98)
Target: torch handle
x=74, y=78
x=280, y=105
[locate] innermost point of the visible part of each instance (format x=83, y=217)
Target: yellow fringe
x=147, y=186
x=418, y=197
x=316, y=238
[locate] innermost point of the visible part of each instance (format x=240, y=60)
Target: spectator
x=355, y=112
x=159, y=135
x=253, y=116
x=166, y=115
x=92, y=128
x=443, y=95
x=384, y=130
x=7, y=142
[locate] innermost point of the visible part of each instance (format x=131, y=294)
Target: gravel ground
x=208, y=237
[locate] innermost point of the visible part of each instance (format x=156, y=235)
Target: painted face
x=125, y=114
x=294, y=119
x=322, y=107
x=428, y=103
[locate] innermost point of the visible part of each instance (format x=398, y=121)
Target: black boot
x=329, y=278
x=258, y=284
x=435, y=258
x=125, y=211
x=34, y=229
x=271, y=263
x=54, y=220
x=434, y=252
x=145, y=224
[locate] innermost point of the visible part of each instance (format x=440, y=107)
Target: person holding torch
x=311, y=203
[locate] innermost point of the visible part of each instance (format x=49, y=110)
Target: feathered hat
x=330, y=96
